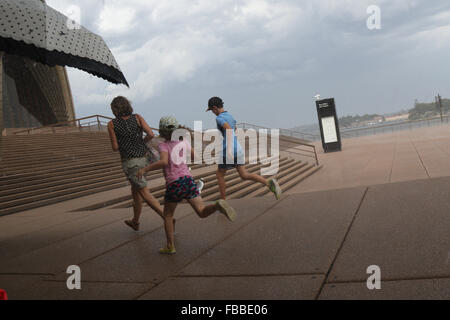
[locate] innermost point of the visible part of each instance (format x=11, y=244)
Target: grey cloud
x=324, y=47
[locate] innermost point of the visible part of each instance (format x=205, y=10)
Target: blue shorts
x=182, y=188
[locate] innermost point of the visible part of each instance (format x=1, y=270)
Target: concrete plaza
x=384, y=200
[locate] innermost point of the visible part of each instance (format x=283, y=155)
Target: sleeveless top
x=129, y=137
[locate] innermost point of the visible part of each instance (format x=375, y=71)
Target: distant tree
x=424, y=110
x=349, y=121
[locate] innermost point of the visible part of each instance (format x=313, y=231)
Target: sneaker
x=275, y=188
x=226, y=209
x=167, y=250
x=200, y=185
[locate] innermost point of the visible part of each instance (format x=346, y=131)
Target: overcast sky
x=266, y=59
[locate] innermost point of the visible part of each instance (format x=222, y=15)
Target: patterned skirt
x=182, y=188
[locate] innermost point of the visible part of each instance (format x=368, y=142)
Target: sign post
x=329, y=126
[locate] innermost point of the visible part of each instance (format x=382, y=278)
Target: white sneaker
x=200, y=185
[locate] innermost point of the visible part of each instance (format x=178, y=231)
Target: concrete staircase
x=43, y=169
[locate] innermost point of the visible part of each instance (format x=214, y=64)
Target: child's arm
x=156, y=165
x=226, y=126
x=146, y=129
x=112, y=137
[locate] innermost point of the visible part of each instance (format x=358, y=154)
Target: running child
x=225, y=121
x=126, y=135
x=179, y=181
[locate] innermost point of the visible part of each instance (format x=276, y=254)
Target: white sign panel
x=329, y=130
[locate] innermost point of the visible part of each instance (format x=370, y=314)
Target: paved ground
x=305, y=246
x=308, y=245
x=384, y=158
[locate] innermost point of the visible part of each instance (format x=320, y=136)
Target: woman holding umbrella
x=126, y=134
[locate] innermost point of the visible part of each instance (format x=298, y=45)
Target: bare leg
x=137, y=204
x=220, y=174
x=151, y=201
x=169, y=209
x=250, y=176
x=199, y=206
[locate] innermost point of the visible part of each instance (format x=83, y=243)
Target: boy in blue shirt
x=225, y=121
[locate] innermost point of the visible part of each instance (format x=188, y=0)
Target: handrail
x=315, y=154
x=296, y=142
x=305, y=155
x=313, y=136
x=76, y=123
x=69, y=122
x=393, y=125
x=351, y=132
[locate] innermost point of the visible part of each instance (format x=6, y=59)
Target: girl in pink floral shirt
x=180, y=184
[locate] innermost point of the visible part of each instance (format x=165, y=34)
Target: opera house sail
x=33, y=94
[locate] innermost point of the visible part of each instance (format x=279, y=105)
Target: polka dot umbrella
x=33, y=29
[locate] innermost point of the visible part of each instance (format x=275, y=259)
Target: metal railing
x=90, y=124
x=373, y=130
x=393, y=127
x=98, y=123
x=284, y=132
x=299, y=146
x=309, y=153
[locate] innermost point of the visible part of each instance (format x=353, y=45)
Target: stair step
x=43, y=169
x=209, y=179
x=56, y=172
x=159, y=191
x=41, y=203
x=233, y=185
x=241, y=190
x=29, y=167
x=245, y=192
x=290, y=181
x=293, y=182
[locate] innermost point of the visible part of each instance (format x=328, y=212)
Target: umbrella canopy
x=32, y=29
